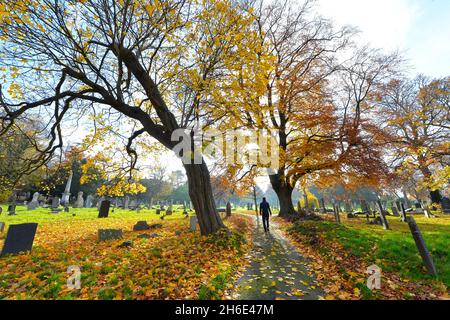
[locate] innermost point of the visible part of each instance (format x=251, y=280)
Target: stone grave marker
x=19, y=238
x=446, y=205
x=109, y=234
x=421, y=246
x=1, y=210
x=80, y=202
x=126, y=203
x=89, y=201
x=228, y=209
x=103, y=212
x=11, y=210
x=383, y=216
x=193, y=221
x=141, y=226
x=2, y=226
x=34, y=202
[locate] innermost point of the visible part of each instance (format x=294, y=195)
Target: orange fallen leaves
x=168, y=266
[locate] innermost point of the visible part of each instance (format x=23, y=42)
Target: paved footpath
x=276, y=271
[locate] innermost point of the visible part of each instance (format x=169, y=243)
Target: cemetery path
x=276, y=270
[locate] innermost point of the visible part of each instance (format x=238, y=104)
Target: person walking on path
x=265, y=212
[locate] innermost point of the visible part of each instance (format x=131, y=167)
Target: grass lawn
x=175, y=264
x=393, y=250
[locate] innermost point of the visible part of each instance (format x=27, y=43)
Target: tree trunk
x=201, y=195
x=284, y=193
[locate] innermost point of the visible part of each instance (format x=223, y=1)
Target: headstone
x=56, y=202
x=104, y=209
x=228, y=209
x=19, y=238
x=169, y=210
x=141, y=226
x=12, y=210
x=126, y=203
x=109, y=234
x=158, y=211
x=66, y=195
x=421, y=246
x=34, y=202
x=1, y=210
x=446, y=205
x=99, y=202
x=80, y=201
x=2, y=226
x=89, y=201
x=383, y=216
x=193, y=221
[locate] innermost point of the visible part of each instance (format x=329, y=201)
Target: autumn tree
x=415, y=115
x=157, y=64
x=312, y=97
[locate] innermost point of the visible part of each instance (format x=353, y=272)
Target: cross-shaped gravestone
x=109, y=234
x=19, y=238
x=104, y=209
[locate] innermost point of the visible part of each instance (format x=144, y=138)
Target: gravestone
x=193, y=221
x=80, y=202
x=12, y=210
x=55, y=203
x=109, y=234
x=421, y=246
x=34, y=202
x=446, y=205
x=158, y=211
x=383, y=216
x=89, y=201
x=169, y=210
x=228, y=209
x=104, y=209
x=1, y=210
x=126, y=203
x=99, y=202
x=2, y=226
x=19, y=238
x=141, y=226
x=66, y=195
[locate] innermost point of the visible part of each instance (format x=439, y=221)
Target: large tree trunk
x=284, y=193
x=201, y=195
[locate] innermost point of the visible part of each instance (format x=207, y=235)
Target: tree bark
x=200, y=192
x=284, y=193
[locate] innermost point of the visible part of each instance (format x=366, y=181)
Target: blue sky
x=420, y=29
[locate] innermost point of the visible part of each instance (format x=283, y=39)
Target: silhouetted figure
x=265, y=212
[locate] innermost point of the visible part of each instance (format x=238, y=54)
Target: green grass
x=393, y=250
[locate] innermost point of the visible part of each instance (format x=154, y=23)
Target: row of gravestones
x=20, y=237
